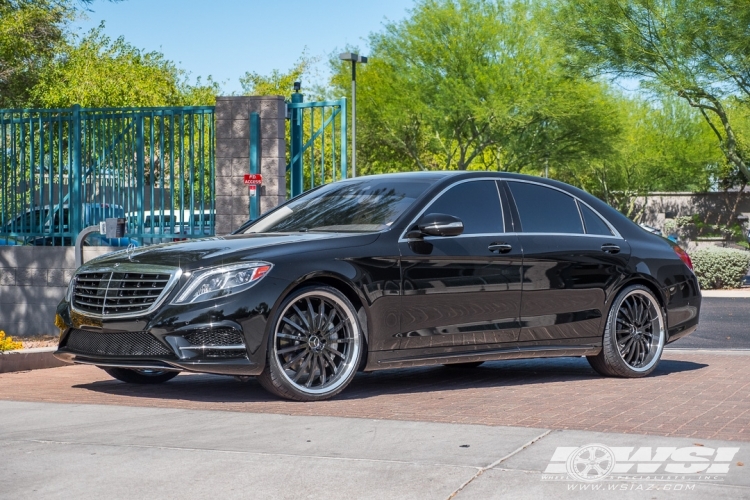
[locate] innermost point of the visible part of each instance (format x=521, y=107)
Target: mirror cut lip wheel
x=639, y=331
x=316, y=343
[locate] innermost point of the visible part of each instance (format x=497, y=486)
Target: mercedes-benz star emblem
x=130, y=250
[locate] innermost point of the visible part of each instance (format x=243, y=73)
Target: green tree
x=100, y=72
x=664, y=146
x=698, y=50
x=278, y=82
x=30, y=32
x=473, y=84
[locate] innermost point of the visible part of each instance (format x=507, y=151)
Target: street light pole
x=354, y=58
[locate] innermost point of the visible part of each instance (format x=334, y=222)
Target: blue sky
x=225, y=38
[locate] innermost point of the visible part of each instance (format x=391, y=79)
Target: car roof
x=438, y=175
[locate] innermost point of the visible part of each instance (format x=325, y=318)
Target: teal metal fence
x=64, y=169
x=318, y=147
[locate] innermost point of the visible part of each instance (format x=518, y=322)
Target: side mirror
x=440, y=225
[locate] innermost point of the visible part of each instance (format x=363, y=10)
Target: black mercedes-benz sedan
x=388, y=271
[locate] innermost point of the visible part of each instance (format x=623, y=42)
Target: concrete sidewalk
x=89, y=452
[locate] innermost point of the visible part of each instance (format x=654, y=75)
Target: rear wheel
x=140, y=376
x=315, y=347
x=634, y=335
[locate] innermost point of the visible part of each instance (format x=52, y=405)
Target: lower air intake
x=116, y=344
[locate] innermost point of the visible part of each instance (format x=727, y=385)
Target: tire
x=315, y=347
x=464, y=366
x=634, y=335
x=140, y=376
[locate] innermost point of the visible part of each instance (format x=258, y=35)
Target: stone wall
x=233, y=157
x=714, y=208
x=32, y=282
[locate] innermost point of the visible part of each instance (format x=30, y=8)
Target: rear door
x=572, y=257
x=462, y=290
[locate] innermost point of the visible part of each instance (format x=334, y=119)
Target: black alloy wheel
x=315, y=347
x=634, y=336
x=140, y=375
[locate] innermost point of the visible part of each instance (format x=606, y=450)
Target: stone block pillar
x=233, y=157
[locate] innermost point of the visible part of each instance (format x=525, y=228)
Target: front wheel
x=634, y=335
x=140, y=376
x=315, y=346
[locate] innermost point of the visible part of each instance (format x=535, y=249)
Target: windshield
x=351, y=206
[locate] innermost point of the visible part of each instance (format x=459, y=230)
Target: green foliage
x=697, y=50
x=278, y=82
x=7, y=343
x=30, y=32
x=100, y=72
x=664, y=146
x=718, y=267
x=473, y=84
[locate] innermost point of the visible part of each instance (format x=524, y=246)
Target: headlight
x=69, y=291
x=218, y=282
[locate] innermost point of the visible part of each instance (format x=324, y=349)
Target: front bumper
x=166, y=338
x=224, y=367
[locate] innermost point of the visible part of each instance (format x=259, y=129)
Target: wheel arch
x=648, y=282
x=340, y=283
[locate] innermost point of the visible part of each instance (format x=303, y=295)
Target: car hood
x=206, y=252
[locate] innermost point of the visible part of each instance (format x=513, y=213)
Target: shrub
x=718, y=267
x=7, y=343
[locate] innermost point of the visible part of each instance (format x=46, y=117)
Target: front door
x=464, y=290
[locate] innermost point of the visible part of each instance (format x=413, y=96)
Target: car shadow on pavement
x=497, y=374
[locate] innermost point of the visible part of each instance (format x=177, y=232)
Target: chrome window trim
x=615, y=232
x=441, y=193
x=499, y=235
x=174, y=272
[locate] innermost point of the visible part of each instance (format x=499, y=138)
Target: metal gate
x=318, y=147
x=64, y=169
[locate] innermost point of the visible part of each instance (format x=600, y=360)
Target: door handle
x=500, y=247
x=610, y=248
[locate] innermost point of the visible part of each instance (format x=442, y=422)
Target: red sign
x=253, y=179
x=253, y=190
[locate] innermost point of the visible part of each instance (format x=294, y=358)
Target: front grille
x=116, y=344
x=220, y=337
x=110, y=293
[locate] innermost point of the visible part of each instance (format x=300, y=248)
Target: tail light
x=684, y=257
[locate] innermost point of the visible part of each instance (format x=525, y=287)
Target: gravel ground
x=36, y=341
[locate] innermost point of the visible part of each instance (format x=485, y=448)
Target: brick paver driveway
x=698, y=394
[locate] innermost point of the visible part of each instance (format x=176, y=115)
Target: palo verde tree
x=698, y=50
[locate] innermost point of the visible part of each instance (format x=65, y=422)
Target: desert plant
x=718, y=267
x=7, y=343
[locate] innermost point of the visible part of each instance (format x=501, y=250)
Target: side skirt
x=384, y=360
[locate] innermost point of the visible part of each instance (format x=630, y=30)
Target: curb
x=698, y=350
x=739, y=293
x=29, y=359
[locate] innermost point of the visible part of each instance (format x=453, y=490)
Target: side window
x=545, y=210
x=476, y=203
x=594, y=223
